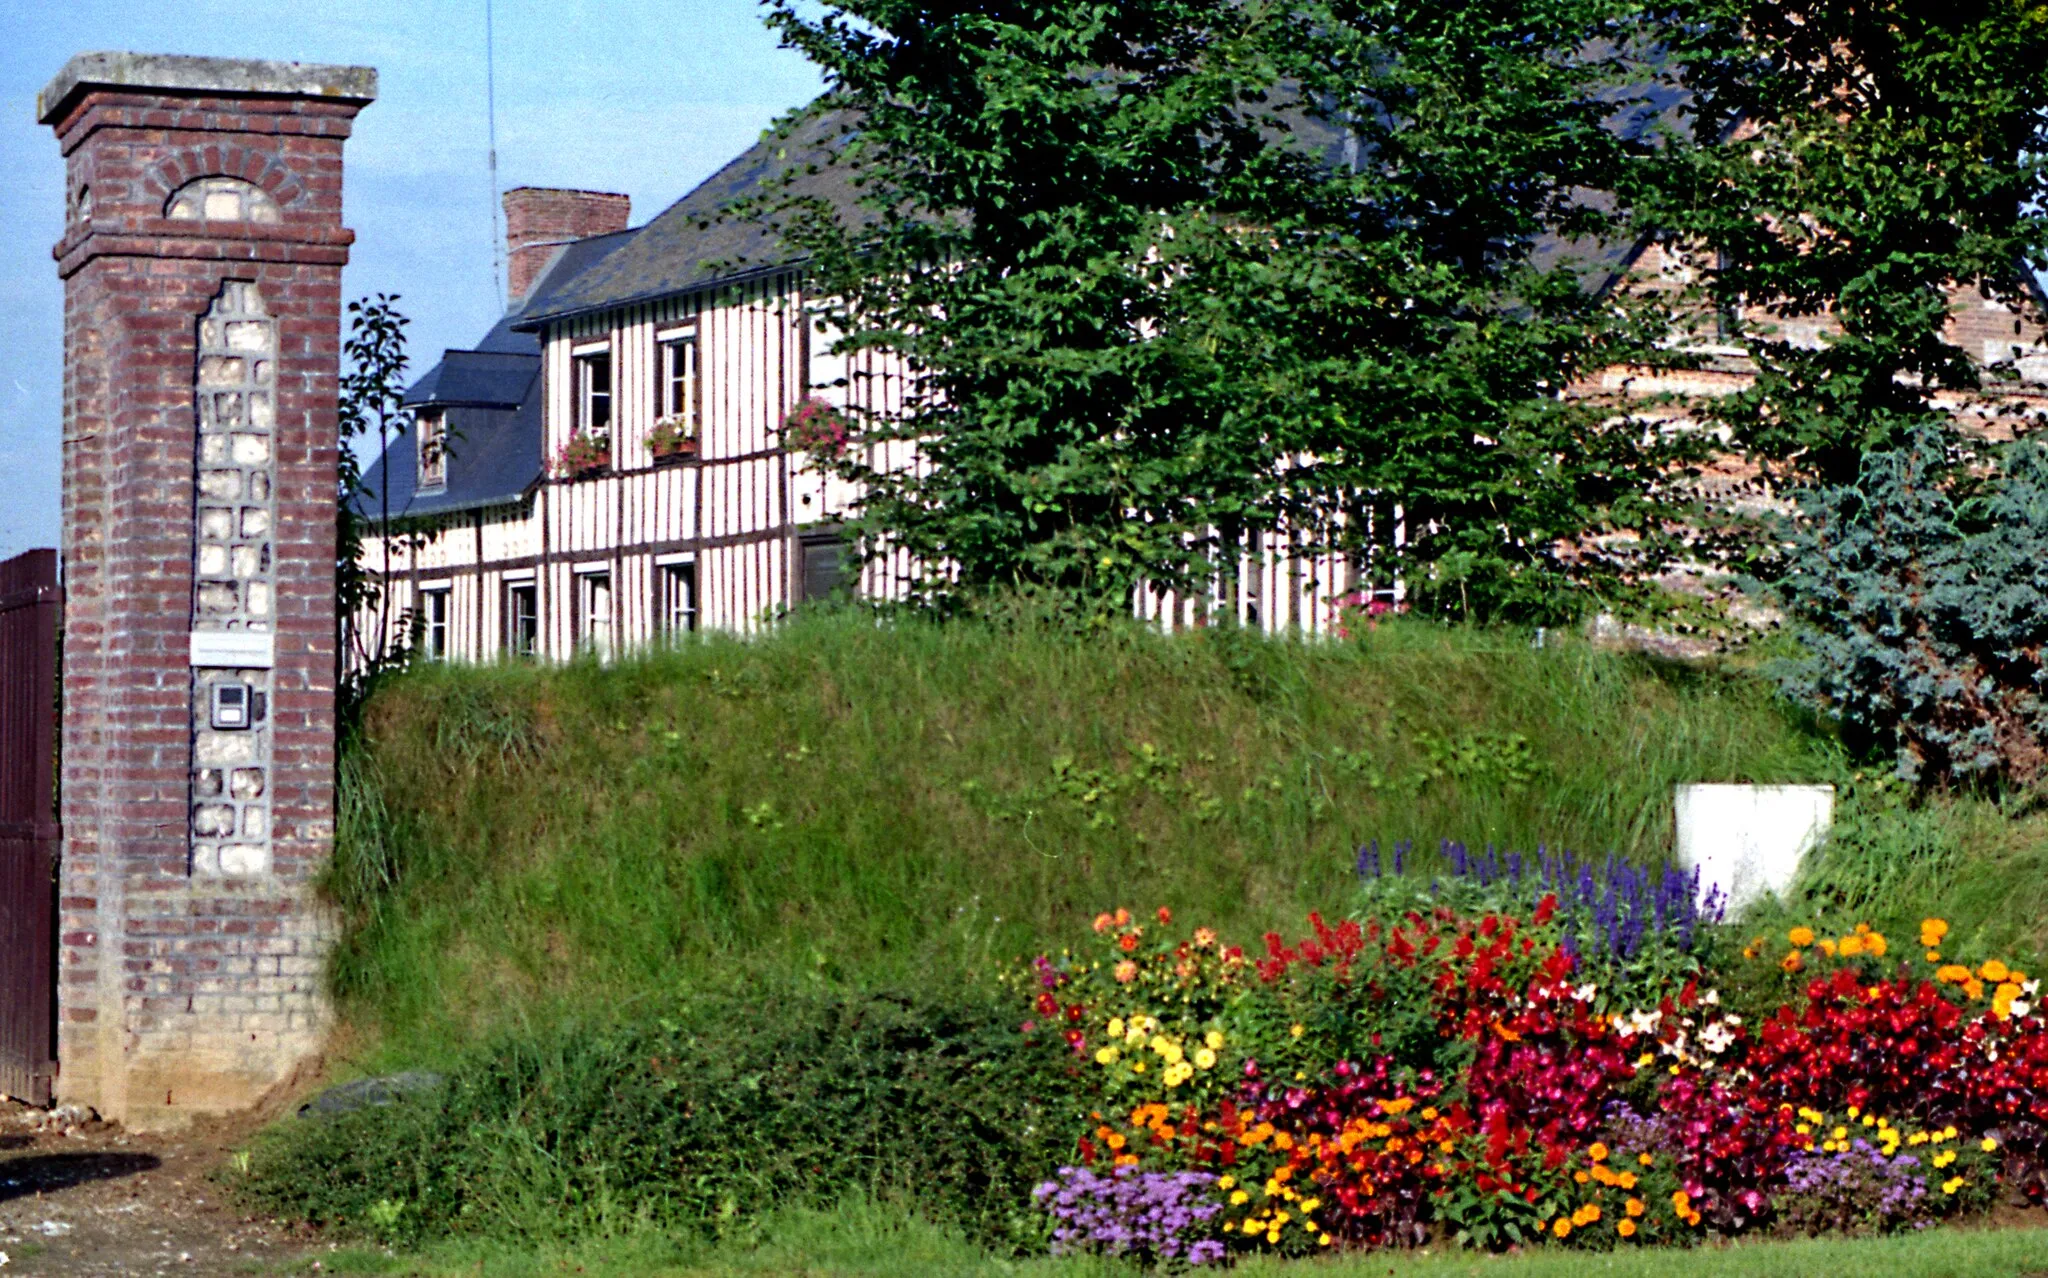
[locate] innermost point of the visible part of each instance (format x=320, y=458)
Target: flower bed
x=1527, y=1052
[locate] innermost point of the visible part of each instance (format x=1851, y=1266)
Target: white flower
x=1640, y=1022
x=2020, y=1007
x=1585, y=992
x=1712, y=998
x=1716, y=1038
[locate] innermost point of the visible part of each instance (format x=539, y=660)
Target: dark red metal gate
x=30, y=603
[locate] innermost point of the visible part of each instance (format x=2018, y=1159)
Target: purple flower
x=1149, y=1215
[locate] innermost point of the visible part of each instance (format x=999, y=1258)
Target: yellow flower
x=1646, y=1159
x=1116, y=1027
x=1205, y=1058
x=1931, y=931
x=1851, y=946
x=1627, y=1229
x=1635, y=1207
x=1107, y=1056
x=1987, y=1144
x=1827, y=947
x=1951, y=1185
x=1598, y=1152
x=1934, y=956
x=1646, y=1060
x=1239, y=1199
x=1792, y=962
x=1841, y=1133
x=1562, y=1228
x=1294, y=1031
x=1225, y=1182
x=1214, y=1038
x=1993, y=971
x=1800, y=936
x=1627, y=1180
x=1876, y=944
x=1952, y=973
x=1974, y=988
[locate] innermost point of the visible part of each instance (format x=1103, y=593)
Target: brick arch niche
x=221, y=199
x=202, y=304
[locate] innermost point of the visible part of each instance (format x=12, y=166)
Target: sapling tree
x=372, y=407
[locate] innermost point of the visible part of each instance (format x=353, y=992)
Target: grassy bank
x=843, y=802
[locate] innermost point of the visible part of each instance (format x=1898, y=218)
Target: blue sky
x=616, y=95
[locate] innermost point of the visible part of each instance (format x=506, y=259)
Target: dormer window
x=592, y=370
x=432, y=427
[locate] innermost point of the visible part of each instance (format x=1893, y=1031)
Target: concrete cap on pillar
x=145, y=71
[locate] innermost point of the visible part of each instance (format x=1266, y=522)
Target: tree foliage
x=1172, y=275
x=1854, y=159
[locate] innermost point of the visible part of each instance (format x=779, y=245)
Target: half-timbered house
x=605, y=468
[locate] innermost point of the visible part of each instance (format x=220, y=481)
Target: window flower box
x=583, y=456
x=814, y=426
x=672, y=440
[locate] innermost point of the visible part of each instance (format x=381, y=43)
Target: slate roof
x=689, y=245
x=490, y=399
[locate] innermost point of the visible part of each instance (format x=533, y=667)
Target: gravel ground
x=78, y=1196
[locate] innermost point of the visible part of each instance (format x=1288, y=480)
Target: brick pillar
x=201, y=259
x=539, y=220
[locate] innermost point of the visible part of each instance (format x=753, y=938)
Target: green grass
x=864, y=1239
x=846, y=801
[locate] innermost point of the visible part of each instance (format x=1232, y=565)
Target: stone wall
x=202, y=259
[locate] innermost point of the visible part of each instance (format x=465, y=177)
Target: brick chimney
x=539, y=220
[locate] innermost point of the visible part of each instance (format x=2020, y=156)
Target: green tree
x=1854, y=160
x=1174, y=273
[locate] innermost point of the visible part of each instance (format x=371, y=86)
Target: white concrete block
x=1748, y=840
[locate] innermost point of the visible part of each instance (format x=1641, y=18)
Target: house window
x=434, y=624
x=678, y=604
x=679, y=396
x=594, y=393
x=433, y=432
x=522, y=619
x=594, y=612
x=824, y=567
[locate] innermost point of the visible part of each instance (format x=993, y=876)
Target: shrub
x=1922, y=599
x=703, y=1121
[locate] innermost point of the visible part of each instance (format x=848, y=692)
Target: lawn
x=865, y=1240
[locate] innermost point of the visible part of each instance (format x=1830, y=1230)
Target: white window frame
x=667, y=573
x=594, y=622
x=512, y=587
x=437, y=610
x=588, y=399
x=680, y=390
